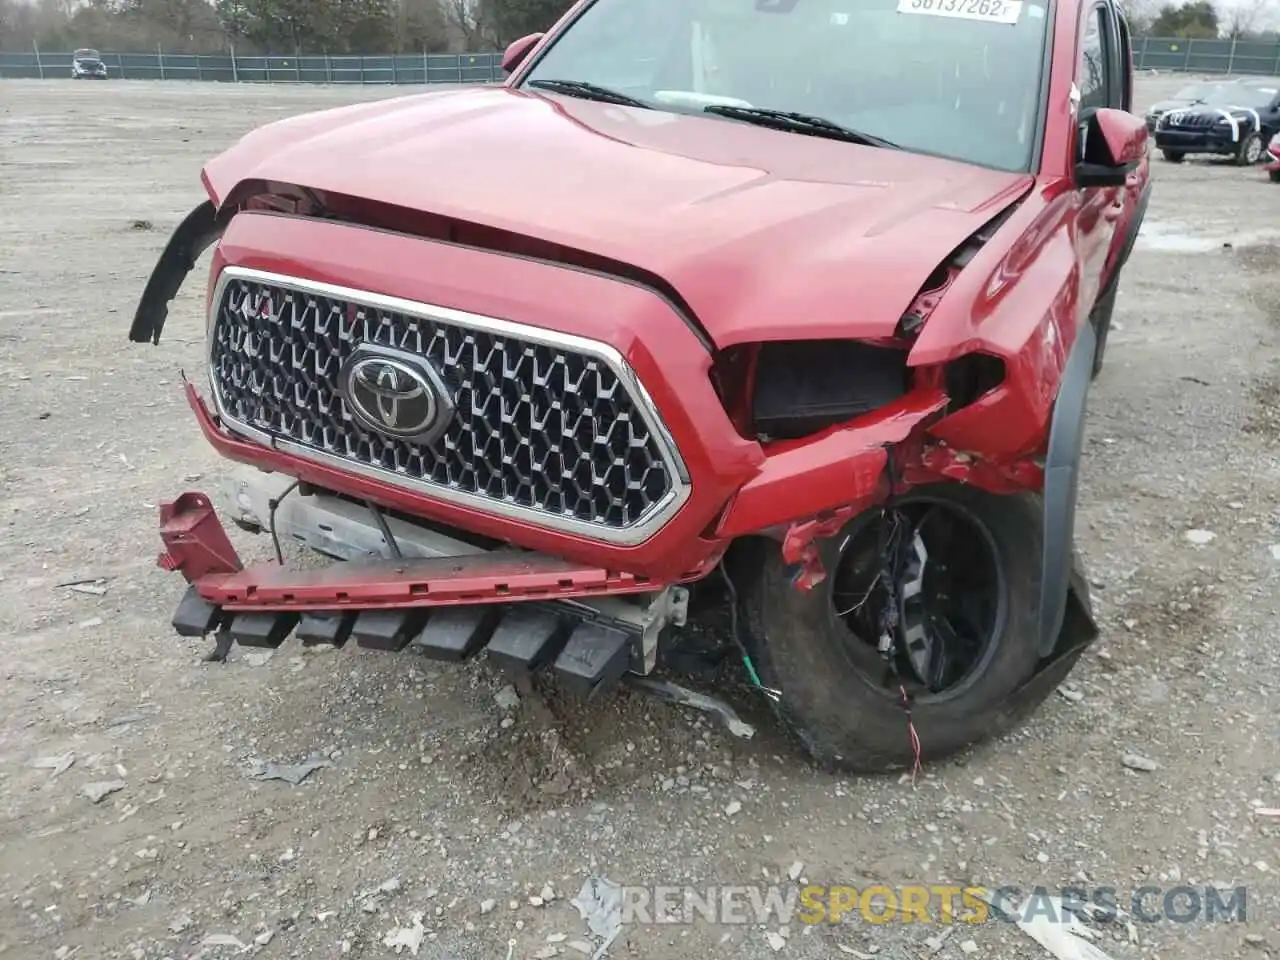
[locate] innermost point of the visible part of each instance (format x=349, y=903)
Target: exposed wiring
x=272, y=505
x=892, y=561
x=912, y=734
x=863, y=602
x=386, y=530
x=888, y=546
x=737, y=637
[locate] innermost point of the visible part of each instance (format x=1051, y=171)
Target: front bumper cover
x=1203, y=141
x=446, y=600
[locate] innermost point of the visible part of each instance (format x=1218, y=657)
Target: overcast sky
x=1268, y=16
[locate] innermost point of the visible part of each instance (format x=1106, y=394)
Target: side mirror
x=518, y=50
x=1114, y=143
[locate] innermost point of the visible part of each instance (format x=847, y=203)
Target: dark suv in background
x=1189, y=96
x=1235, y=118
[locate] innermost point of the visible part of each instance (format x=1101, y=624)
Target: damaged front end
x=687, y=460
x=848, y=426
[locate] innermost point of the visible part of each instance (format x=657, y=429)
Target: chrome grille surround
x=551, y=429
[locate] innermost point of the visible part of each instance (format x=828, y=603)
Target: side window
x=1095, y=80
x=1124, y=52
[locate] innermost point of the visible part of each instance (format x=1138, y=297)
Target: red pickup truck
x=783, y=310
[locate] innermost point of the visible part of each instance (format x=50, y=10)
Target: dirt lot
x=429, y=796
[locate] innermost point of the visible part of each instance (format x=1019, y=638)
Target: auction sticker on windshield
x=992, y=11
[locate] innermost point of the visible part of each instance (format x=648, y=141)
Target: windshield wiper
x=589, y=91
x=798, y=123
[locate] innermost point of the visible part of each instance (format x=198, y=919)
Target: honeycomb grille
x=1192, y=121
x=539, y=428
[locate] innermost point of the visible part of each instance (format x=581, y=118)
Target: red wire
x=912, y=734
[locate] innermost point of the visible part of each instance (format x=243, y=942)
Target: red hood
x=750, y=225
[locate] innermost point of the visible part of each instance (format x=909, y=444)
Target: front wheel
x=1250, y=150
x=1173, y=156
x=967, y=571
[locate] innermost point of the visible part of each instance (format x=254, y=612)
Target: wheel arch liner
x=192, y=237
x=1061, y=481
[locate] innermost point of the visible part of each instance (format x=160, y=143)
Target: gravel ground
x=461, y=818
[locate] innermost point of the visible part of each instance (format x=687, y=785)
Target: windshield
x=86, y=55
x=953, y=78
x=1197, y=91
x=1255, y=97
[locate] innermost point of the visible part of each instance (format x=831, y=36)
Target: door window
x=1094, y=78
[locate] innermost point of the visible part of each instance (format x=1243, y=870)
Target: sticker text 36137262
x=992, y=11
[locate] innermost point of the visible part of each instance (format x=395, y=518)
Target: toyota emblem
x=397, y=394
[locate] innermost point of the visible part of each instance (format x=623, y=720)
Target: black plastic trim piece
x=387, y=629
x=456, y=634
x=268, y=629
x=196, y=616
x=1061, y=482
x=320, y=629
x=595, y=658
x=527, y=639
x=197, y=232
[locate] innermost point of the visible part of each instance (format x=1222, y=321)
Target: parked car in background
x=1189, y=96
x=1272, y=165
x=86, y=64
x=1233, y=119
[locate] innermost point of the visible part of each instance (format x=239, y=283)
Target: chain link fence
x=1176, y=54
x=230, y=68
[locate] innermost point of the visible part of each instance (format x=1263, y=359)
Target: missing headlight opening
x=803, y=387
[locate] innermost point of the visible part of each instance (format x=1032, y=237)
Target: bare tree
x=1140, y=14
x=419, y=25
x=470, y=20
x=1247, y=17
x=204, y=26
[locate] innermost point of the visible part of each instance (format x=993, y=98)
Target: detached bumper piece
x=511, y=605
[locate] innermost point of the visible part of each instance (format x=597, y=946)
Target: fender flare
x=1061, y=481
x=193, y=236
x=1062, y=459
